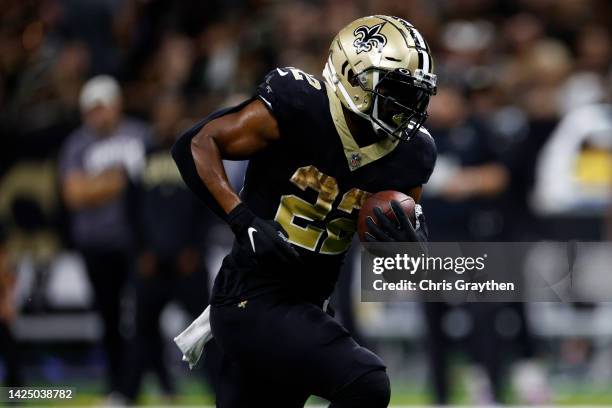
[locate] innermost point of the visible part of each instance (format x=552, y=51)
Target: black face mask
x=400, y=104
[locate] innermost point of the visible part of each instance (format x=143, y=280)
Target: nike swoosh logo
x=250, y=231
x=281, y=73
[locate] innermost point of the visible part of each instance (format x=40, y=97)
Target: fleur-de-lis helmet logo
x=368, y=37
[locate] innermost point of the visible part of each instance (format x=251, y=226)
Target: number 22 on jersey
x=339, y=230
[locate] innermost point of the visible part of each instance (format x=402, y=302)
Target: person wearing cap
x=98, y=163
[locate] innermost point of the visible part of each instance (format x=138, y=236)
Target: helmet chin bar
x=404, y=130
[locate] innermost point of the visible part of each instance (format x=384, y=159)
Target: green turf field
x=193, y=393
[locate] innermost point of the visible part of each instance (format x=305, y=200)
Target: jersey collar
x=356, y=156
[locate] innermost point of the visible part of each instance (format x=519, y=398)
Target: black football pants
x=276, y=353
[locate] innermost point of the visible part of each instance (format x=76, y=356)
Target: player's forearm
x=82, y=191
x=236, y=134
x=415, y=193
x=185, y=162
x=209, y=165
x=487, y=180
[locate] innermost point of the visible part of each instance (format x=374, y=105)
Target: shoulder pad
x=424, y=131
x=429, y=152
x=286, y=90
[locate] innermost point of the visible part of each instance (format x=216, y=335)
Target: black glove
x=265, y=240
x=385, y=230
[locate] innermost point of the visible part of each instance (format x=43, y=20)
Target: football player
x=316, y=150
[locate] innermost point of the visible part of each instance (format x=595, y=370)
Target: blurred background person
x=171, y=226
x=97, y=164
x=463, y=200
x=9, y=349
x=462, y=194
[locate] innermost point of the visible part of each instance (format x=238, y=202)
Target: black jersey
x=313, y=181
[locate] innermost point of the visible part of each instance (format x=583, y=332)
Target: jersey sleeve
x=285, y=92
x=428, y=154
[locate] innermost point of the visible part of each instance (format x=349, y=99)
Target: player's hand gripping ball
x=391, y=216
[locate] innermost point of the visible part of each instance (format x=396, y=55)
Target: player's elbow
x=211, y=145
x=198, y=142
x=201, y=145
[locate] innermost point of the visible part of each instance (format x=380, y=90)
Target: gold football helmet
x=380, y=68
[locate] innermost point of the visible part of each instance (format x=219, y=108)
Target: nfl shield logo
x=355, y=160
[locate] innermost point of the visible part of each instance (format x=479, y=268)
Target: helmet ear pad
x=362, y=99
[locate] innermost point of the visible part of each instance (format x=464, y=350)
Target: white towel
x=192, y=340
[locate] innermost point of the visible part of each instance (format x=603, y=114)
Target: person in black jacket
x=170, y=224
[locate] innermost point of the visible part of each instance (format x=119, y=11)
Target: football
x=383, y=200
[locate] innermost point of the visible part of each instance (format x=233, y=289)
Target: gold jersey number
x=339, y=230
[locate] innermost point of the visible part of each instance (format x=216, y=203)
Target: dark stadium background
x=515, y=78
